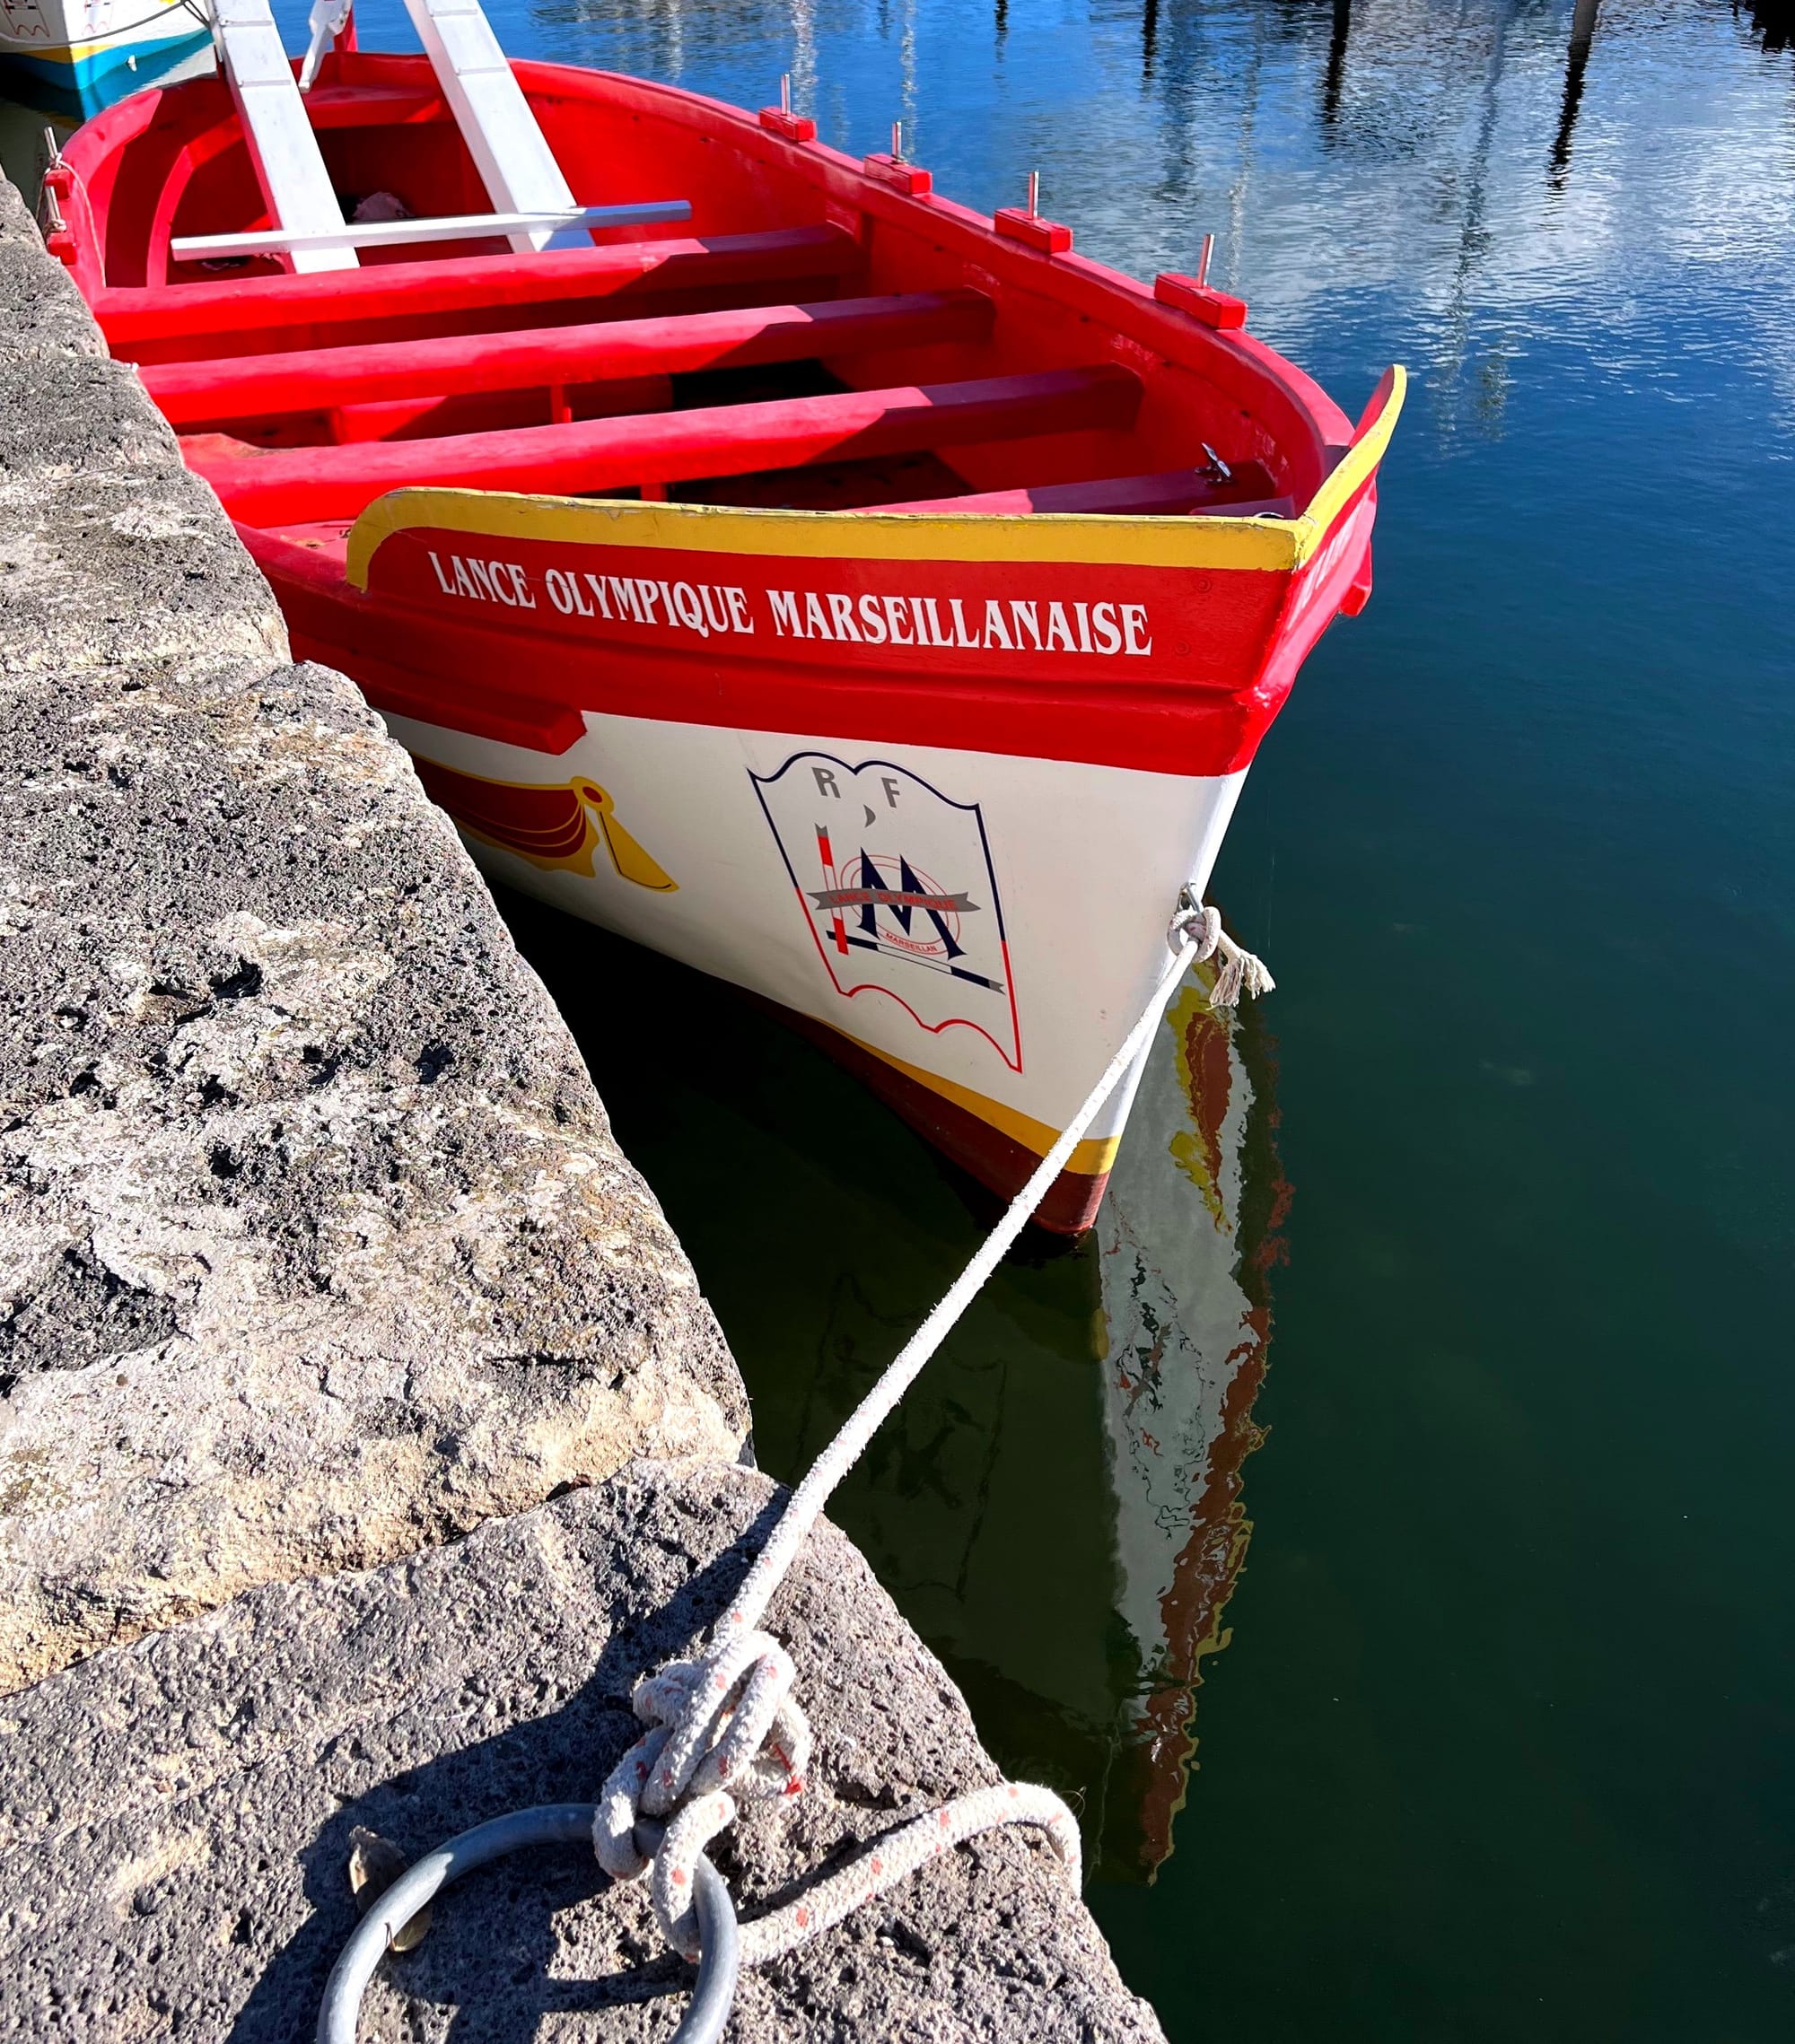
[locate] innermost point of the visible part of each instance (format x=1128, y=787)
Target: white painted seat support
x=445, y=227
x=509, y=149
x=329, y=18
x=534, y=206
x=281, y=147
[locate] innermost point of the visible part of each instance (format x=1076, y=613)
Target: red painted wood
x=539, y=823
x=208, y=317
x=1358, y=593
x=311, y=378
x=323, y=611
x=1017, y=223
x=910, y=178
x=794, y=128
x=1251, y=490
x=1214, y=308
x=1195, y=700
x=318, y=483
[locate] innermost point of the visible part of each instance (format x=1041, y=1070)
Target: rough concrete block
x=176, y=1813
x=40, y=310
x=315, y=1245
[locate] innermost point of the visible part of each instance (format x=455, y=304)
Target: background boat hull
x=79, y=56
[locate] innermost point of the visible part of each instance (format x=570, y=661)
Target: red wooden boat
x=871, y=603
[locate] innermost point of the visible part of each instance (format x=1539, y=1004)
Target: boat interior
x=789, y=327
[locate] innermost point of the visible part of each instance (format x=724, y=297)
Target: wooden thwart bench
x=270, y=312
x=311, y=378
x=312, y=484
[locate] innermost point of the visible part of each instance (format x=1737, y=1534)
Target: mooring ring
x=547, y=1823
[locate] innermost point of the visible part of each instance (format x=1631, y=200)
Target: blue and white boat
x=79, y=56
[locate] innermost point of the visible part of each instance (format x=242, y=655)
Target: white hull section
x=994, y=922
x=53, y=29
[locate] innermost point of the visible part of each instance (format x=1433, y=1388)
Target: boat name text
x=707, y=609
x=1012, y=627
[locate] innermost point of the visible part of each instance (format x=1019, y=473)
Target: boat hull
x=873, y=604
x=945, y=829
x=983, y=1018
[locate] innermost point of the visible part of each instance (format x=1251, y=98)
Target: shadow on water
x=1056, y=1505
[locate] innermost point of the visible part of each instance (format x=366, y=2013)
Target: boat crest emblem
x=898, y=889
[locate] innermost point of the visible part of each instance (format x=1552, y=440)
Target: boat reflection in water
x=1187, y=1238
x=1055, y=1505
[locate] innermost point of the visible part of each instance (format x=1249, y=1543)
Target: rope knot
x=723, y=1729
x=1239, y=972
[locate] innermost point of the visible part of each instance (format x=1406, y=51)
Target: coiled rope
x=725, y=1727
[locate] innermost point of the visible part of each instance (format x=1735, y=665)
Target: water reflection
x=1576, y=62
x=1187, y=1238
x=1056, y=1503
x=1071, y=1556
x=1333, y=77
x=1773, y=24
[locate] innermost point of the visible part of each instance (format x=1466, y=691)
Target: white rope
x=729, y=1716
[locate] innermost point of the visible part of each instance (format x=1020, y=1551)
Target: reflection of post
x=907, y=77
x=1150, y=31
x=1576, y=62
x=1336, y=62
x=1187, y=1237
x=676, y=42
x=804, y=57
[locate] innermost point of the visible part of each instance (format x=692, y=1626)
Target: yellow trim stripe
x=68, y=53
x=1357, y=463
x=1267, y=543
x=1094, y=1155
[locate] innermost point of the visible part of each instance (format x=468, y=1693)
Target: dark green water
x=1502, y=1742
x=1497, y=1709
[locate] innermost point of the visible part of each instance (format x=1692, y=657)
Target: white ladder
x=281, y=147
x=508, y=150
x=535, y=207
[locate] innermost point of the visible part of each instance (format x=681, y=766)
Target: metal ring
x=548, y=1823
